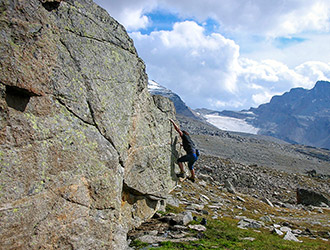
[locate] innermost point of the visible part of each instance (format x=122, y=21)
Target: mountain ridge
x=299, y=116
x=306, y=112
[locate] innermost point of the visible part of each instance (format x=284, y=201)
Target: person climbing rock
x=192, y=153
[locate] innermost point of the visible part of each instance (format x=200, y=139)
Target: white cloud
x=134, y=19
x=270, y=17
x=262, y=97
x=220, y=105
x=311, y=15
x=264, y=79
x=201, y=68
x=312, y=47
x=314, y=71
x=207, y=70
x=130, y=13
x=270, y=71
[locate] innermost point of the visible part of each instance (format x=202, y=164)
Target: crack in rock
x=114, y=24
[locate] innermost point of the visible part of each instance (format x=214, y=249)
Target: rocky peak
x=180, y=107
x=322, y=87
x=299, y=116
x=299, y=100
x=85, y=152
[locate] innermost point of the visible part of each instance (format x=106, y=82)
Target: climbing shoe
x=191, y=179
x=181, y=175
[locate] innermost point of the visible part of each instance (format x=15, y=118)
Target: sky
x=229, y=55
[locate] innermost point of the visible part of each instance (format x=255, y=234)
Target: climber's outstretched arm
x=176, y=127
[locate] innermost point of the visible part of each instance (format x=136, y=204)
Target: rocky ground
x=252, y=181
x=255, y=198
x=256, y=149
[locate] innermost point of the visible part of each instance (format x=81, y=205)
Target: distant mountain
x=299, y=116
x=181, y=108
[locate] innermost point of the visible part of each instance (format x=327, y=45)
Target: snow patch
x=231, y=124
x=152, y=85
x=248, y=113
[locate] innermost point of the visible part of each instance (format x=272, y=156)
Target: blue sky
x=232, y=55
x=163, y=19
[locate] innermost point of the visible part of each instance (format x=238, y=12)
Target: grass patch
x=172, y=209
x=137, y=244
x=224, y=234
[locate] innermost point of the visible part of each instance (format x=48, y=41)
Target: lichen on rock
x=86, y=154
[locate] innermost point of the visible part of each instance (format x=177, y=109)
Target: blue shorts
x=190, y=158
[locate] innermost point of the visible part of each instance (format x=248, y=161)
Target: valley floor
x=225, y=216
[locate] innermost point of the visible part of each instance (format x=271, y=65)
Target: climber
x=191, y=156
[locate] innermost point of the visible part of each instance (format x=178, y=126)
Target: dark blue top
x=188, y=144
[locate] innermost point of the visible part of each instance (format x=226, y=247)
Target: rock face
x=85, y=152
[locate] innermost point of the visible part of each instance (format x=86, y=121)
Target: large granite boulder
x=310, y=197
x=85, y=153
